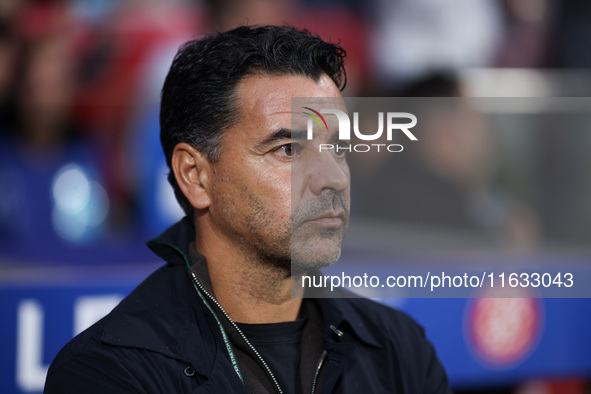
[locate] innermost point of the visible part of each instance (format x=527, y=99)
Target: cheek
x=274, y=186
x=300, y=184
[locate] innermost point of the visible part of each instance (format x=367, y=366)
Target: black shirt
x=279, y=344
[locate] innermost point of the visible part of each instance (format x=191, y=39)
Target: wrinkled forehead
x=283, y=97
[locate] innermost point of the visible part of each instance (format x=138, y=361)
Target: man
x=220, y=317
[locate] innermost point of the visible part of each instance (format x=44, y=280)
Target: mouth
x=329, y=219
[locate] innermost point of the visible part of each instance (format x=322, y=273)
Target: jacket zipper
x=239, y=331
x=318, y=368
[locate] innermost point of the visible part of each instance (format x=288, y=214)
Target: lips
x=329, y=210
x=329, y=219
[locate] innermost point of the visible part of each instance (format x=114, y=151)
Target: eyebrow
x=283, y=134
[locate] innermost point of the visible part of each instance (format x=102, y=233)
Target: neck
x=250, y=290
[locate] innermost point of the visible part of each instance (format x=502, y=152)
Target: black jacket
x=162, y=338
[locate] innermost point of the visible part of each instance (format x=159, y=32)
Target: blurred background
x=83, y=179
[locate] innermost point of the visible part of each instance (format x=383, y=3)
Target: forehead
x=266, y=100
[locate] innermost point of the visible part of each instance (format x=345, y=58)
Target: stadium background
x=82, y=177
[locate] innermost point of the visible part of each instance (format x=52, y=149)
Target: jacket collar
x=344, y=311
x=173, y=244
x=164, y=314
x=173, y=247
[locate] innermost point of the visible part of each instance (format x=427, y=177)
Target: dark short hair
x=198, y=97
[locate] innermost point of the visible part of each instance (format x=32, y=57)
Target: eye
x=287, y=150
x=341, y=148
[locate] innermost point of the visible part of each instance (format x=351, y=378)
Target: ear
x=191, y=170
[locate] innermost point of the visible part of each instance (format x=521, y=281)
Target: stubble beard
x=286, y=247
x=314, y=248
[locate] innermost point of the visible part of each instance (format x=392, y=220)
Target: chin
x=311, y=258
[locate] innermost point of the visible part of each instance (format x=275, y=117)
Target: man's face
x=274, y=195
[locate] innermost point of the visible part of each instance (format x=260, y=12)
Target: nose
x=328, y=172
